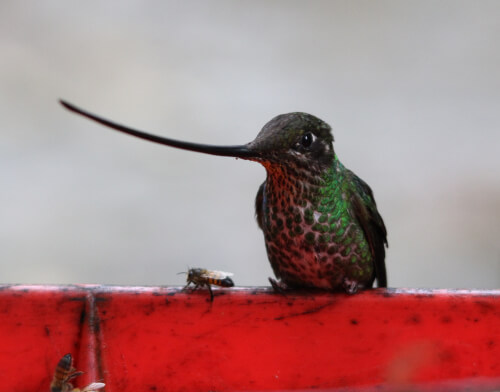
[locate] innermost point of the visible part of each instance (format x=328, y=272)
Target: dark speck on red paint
x=414, y=319
x=446, y=355
x=77, y=299
x=82, y=316
x=484, y=307
x=446, y=319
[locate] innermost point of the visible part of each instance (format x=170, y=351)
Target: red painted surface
x=160, y=339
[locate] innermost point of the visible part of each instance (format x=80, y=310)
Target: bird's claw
x=350, y=286
x=278, y=286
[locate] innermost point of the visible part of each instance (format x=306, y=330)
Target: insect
x=202, y=277
x=64, y=373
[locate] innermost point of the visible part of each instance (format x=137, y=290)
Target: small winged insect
x=64, y=373
x=202, y=277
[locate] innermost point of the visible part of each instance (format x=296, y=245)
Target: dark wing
x=259, y=206
x=365, y=210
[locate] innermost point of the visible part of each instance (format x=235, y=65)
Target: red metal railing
x=162, y=339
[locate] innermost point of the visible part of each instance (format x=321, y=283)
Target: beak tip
x=66, y=105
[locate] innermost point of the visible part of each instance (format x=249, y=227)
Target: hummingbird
x=321, y=226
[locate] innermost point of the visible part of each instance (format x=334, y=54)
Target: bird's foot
x=350, y=286
x=279, y=286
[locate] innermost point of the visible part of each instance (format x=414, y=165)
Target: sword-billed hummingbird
x=320, y=221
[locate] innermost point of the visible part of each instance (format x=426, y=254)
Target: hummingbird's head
x=297, y=139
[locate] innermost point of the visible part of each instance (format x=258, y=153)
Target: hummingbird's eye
x=307, y=139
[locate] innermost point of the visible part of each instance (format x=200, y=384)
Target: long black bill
x=227, y=151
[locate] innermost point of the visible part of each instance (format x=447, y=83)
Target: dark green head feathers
x=296, y=137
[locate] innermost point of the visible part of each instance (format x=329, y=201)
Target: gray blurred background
x=411, y=89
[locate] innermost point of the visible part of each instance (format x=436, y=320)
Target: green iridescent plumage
x=320, y=221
